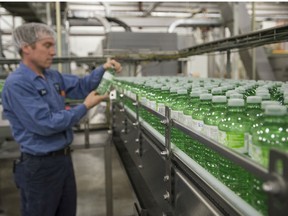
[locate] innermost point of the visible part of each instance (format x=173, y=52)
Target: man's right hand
x=93, y=99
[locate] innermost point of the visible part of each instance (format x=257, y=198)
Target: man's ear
x=26, y=49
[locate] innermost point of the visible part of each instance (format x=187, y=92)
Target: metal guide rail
x=178, y=165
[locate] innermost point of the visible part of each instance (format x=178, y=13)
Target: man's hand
x=113, y=64
x=93, y=99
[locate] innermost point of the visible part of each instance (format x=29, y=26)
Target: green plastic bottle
x=177, y=106
x=106, y=82
x=210, y=129
x=258, y=121
x=193, y=102
x=285, y=101
x=253, y=107
x=163, y=96
x=213, y=117
x=232, y=129
x=198, y=115
x=273, y=133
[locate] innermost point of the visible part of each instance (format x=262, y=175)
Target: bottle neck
x=219, y=105
x=253, y=106
x=205, y=102
x=238, y=109
x=275, y=119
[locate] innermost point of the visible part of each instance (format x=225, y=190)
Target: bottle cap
x=264, y=95
x=195, y=94
x=174, y=89
x=205, y=96
x=240, y=90
x=229, y=92
x=285, y=100
x=261, y=89
x=224, y=88
x=208, y=87
x=269, y=102
x=216, y=91
x=219, y=99
x=165, y=88
x=157, y=86
x=254, y=99
x=275, y=110
x=204, y=91
x=181, y=91
x=236, y=95
x=236, y=102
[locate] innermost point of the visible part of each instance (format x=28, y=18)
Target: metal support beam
x=228, y=66
x=59, y=31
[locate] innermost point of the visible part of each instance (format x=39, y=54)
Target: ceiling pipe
x=76, y=21
x=103, y=21
x=107, y=8
x=120, y=23
x=151, y=8
x=194, y=23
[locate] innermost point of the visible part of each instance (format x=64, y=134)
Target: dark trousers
x=47, y=185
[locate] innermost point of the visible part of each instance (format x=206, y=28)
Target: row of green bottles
x=234, y=123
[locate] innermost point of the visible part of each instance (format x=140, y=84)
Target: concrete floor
x=90, y=176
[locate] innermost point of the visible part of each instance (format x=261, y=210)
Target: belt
x=65, y=151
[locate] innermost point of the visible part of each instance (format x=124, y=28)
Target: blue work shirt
x=35, y=107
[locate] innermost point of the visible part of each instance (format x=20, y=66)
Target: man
x=33, y=101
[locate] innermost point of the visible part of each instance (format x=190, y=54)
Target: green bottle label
x=233, y=140
x=153, y=105
x=197, y=125
x=211, y=131
x=188, y=122
x=259, y=154
x=161, y=108
x=181, y=117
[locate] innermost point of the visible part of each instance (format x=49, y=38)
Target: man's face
x=41, y=53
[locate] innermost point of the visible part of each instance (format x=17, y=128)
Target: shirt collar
x=30, y=73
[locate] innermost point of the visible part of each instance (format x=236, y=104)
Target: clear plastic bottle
x=106, y=82
x=232, y=129
x=210, y=129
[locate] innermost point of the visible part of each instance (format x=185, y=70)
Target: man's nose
x=53, y=51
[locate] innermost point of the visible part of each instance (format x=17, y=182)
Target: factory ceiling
x=138, y=14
